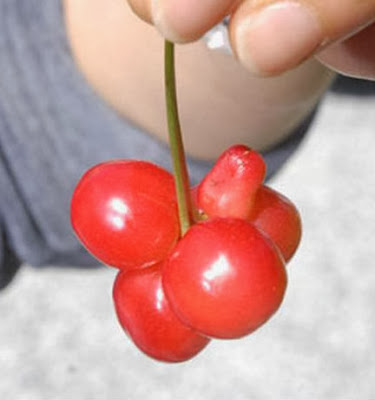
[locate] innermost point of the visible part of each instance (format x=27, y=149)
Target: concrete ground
x=59, y=338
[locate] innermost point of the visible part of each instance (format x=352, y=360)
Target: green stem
x=175, y=142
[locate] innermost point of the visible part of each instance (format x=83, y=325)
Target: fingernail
x=161, y=22
x=277, y=38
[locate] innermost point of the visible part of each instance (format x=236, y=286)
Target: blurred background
x=59, y=337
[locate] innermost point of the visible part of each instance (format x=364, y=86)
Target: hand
x=270, y=37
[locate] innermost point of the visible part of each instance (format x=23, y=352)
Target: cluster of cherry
x=222, y=279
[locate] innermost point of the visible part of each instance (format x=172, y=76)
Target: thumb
x=272, y=36
x=182, y=20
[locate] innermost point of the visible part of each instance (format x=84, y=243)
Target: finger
x=187, y=20
x=142, y=8
x=353, y=57
x=272, y=36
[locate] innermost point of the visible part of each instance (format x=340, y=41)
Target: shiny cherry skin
x=224, y=278
x=228, y=190
x=275, y=215
x=125, y=213
x=145, y=315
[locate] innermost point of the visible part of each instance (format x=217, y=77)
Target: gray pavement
x=59, y=338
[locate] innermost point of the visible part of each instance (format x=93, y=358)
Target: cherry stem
x=181, y=176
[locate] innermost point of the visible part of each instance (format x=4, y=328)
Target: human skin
x=273, y=36
x=221, y=102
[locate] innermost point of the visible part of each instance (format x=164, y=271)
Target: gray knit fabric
x=52, y=128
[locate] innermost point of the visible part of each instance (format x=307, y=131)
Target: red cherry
x=275, y=215
x=146, y=316
x=228, y=190
x=224, y=278
x=125, y=213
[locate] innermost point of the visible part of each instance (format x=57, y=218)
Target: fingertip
x=184, y=21
x=162, y=22
x=142, y=8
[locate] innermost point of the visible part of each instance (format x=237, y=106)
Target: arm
x=221, y=102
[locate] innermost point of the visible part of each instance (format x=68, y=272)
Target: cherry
x=275, y=215
x=229, y=189
x=224, y=278
x=233, y=188
x=145, y=315
x=125, y=213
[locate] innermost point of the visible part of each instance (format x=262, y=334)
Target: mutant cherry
x=229, y=189
x=145, y=315
x=224, y=278
x=278, y=217
x=233, y=188
x=125, y=213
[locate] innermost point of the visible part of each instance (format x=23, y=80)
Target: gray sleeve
x=9, y=263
